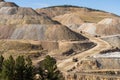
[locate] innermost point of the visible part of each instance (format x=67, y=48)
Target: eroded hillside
x=86, y=14
x=25, y=32
x=70, y=34
x=95, y=22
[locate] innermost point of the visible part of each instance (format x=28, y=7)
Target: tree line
x=22, y=69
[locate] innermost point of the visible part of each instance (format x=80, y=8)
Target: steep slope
x=39, y=32
x=106, y=27
x=109, y=26
x=25, y=32
x=81, y=17
x=87, y=27
x=69, y=64
x=114, y=40
x=19, y=15
x=63, y=33
x=86, y=14
x=71, y=20
x=7, y=4
x=66, y=9
x=74, y=16
x=25, y=23
x=10, y=13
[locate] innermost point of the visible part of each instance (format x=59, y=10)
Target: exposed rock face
x=17, y=11
x=68, y=48
x=7, y=4
x=113, y=40
x=39, y=32
x=76, y=19
x=90, y=64
x=96, y=69
x=100, y=63
x=25, y=32
x=74, y=16
x=29, y=32
x=71, y=20
x=82, y=76
x=106, y=27
x=62, y=33
x=10, y=13
x=88, y=27
x=18, y=15
x=25, y=23
x=96, y=22
x=11, y=17
x=109, y=26
x=61, y=10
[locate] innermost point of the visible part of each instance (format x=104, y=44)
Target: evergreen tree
x=28, y=69
x=1, y=62
x=8, y=70
x=24, y=68
x=20, y=68
x=50, y=71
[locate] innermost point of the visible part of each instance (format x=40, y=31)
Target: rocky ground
x=78, y=38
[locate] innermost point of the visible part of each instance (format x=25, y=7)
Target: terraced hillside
x=25, y=23
x=106, y=27
x=95, y=22
x=25, y=32
x=38, y=32
x=63, y=9
x=114, y=40
x=101, y=45
x=85, y=14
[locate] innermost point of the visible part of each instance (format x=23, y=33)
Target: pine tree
x=28, y=69
x=50, y=69
x=20, y=68
x=8, y=70
x=1, y=62
x=24, y=68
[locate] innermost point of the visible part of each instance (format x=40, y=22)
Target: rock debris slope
x=88, y=14
x=7, y=4
x=88, y=27
x=64, y=14
x=106, y=27
x=95, y=22
x=25, y=23
x=71, y=20
x=23, y=31
x=114, y=40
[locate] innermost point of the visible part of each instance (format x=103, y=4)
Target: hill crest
x=63, y=9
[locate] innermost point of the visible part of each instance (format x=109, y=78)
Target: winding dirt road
x=67, y=64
